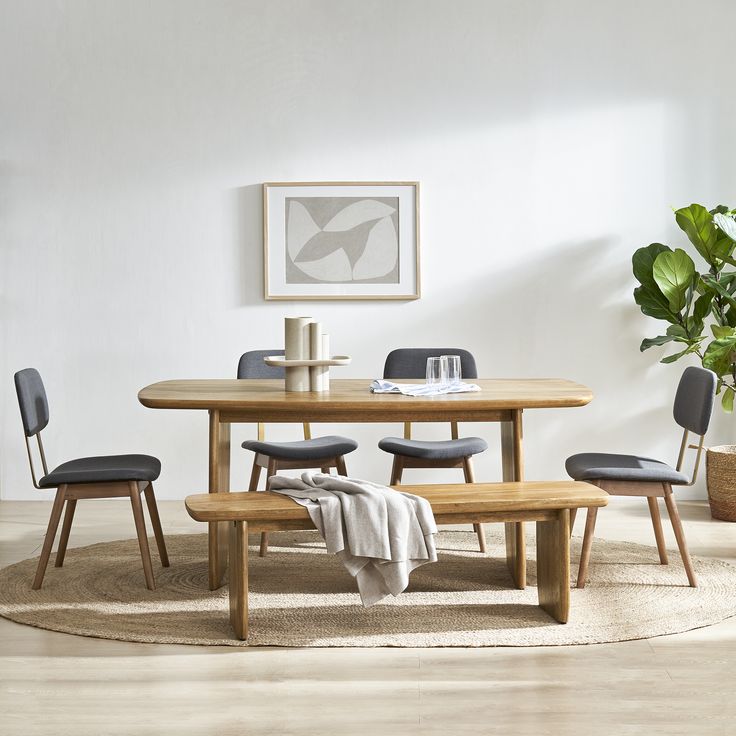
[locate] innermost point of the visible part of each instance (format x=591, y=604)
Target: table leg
x=239, y=578
x=219, y=482
x=513, y=470
x=553, y=565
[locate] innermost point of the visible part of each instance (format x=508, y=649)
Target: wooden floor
x=59, y=684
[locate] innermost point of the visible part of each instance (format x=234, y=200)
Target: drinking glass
x=436, y=371
x=452, y=371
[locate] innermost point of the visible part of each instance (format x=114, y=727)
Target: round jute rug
x=301, y=596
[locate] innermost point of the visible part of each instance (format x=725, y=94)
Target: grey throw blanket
x=379, y=534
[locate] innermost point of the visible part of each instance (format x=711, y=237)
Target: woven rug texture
x=300, y=596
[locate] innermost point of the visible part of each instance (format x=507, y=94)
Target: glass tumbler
x=453, y=370
x=436, y=371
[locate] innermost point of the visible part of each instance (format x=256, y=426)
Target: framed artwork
x=341, y=240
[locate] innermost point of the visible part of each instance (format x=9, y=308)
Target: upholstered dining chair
x=633, y=475
x=410, y=453
x=311, y=452
x=108, y=476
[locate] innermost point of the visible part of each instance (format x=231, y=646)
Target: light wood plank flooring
x=58, y=684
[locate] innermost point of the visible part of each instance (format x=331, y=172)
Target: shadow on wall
x=565, y=312
x=247, y=205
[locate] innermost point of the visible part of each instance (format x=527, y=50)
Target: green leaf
x=653, y=304
x=727, y=400
x=676, y=331
x=702, y=305
x=643, y=263
x=721, y=209
x=650, y=342
x=726, y=224
x=712, y=283
x=710, y=242
x=673, y=272
x=677, y=356
x=718, y=355
x=720, y=332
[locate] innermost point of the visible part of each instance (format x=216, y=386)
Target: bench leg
x=238, y=554
x=553, y=565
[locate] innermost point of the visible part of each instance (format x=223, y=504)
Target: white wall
x=550, y=139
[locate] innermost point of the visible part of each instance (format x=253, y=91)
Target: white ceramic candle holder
x=306, y=358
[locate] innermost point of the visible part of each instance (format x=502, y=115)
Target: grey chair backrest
x=694, y=399
x=412, y=362
x=34, y=406
x=251, y=365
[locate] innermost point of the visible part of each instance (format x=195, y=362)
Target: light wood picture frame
x=341, y=240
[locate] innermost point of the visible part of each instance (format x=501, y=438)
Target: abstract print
x=342, y=240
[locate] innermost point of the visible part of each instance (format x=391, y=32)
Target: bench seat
x=548, y=503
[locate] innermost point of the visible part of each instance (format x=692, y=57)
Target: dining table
x=231, y=401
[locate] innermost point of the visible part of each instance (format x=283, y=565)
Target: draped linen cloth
x=382, y=386
x=379, y=534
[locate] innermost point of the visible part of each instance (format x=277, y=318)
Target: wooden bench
x=547, y=503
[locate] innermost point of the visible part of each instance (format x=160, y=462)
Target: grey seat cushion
x=314, y=449
x=604, y=466
x=434, y=450
x=104, y=469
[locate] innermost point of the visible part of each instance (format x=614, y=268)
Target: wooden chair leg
x=156, y=524
x=326, y=469
x=587, y=544
x=140, y=527
x=48, y=541
x=573, y=514
x=66, y=527
x=255, y=475
x=480, y=532
x=470, y=478
x=397, y=470
x=669, y=500
x=340, y=464
x=657, y=524
x=271, y=470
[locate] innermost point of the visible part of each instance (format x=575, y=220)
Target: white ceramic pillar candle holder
x=316, y=372
x=296, y=348
x=306, y=360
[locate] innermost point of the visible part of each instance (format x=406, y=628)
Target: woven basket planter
x=720, y=464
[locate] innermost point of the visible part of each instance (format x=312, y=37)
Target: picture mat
x=407, y=235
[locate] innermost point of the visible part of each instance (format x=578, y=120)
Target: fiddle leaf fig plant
x=699, y=307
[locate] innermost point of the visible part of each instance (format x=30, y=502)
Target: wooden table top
x=351, y=398
x=446, y=500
